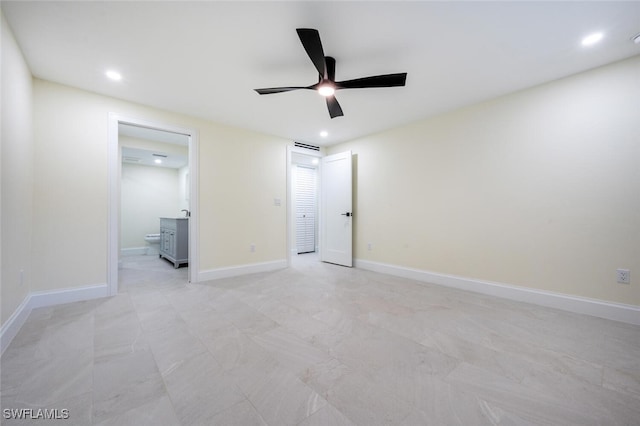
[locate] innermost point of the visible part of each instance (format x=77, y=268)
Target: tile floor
x=317, y=344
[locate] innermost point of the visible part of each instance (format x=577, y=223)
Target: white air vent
x=306, y=146
x=131, y=159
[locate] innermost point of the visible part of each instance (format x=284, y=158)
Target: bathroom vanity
x=174, y=240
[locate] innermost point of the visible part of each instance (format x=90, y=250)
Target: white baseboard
x=67, y=295
x=134, y=251
x=581, y=305
x=41, y=299
x=11, y=327
x=234, y=271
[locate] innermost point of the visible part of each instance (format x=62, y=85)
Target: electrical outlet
x=624, y=276
x=369, y=246
x=252, y=248
x=21, y=276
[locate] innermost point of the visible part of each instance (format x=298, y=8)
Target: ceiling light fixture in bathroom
x=158, y=160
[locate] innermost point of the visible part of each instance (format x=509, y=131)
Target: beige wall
x=539, y=189
x=248, y=173
x=240, y=172
x=17, y=175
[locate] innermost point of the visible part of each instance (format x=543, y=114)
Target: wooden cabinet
x=174, y=240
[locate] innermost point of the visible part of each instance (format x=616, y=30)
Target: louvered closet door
x=306, y=209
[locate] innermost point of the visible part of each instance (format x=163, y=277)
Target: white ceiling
x=159, y=146
x=205, y=58
x=145, y=157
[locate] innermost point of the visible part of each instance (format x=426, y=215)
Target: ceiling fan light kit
x=326, y=66
x=326, y=90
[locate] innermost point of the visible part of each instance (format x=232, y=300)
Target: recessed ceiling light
x=636, y=38
x=315, y=161
x=592, y=39
x=157, y=161
x=324, y=133
x=114, y=75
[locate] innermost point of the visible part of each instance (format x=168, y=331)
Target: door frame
x=290, y=216
x=114, y=181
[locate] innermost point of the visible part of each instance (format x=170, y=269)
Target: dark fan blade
x=271, y=90
x=387, y=80
x=331, y=67
x=310, y=39
x=334, y=107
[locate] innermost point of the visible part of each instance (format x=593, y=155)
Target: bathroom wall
x=147, y=193
x=17, y=175
x=183, y=189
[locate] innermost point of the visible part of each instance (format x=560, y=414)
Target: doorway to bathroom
x=153, y=199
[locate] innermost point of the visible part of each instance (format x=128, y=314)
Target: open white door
x=336, y=212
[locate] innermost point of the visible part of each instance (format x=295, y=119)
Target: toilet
x=153, y=244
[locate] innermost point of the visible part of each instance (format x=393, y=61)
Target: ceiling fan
x=326, y=66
